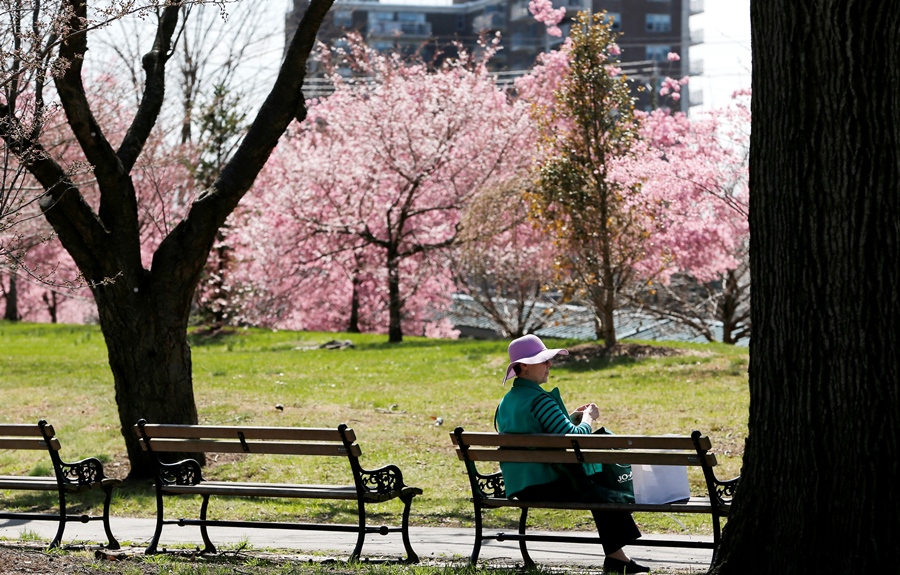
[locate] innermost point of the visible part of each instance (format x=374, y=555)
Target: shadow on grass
x=596, y=364
x=225, y=337
x=48, y=502
x=264, y=508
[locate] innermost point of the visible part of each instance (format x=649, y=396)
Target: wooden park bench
x=68, y=478
x=185, y=477
x=488, y=489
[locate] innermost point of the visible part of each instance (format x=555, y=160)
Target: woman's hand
x=589, y=412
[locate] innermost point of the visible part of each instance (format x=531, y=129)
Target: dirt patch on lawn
x=16, y=560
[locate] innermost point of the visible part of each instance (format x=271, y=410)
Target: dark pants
x=616, y=528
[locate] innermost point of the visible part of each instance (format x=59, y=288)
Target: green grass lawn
x=392, y=395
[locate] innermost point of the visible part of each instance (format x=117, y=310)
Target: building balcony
x=571, y=5
x=697, y=7
x=696, y=67
x=697, y=37
x=394, y=28
x=695, y=96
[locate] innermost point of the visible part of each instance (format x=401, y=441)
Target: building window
x=616, y=21
x=411, y=16
x=659, y=23
x=381, y=16
x=383, y=45
x=658, y=52
x=343, y=18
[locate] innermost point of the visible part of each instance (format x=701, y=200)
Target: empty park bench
x=185, y=477
x=488, y=489
x=68, y=478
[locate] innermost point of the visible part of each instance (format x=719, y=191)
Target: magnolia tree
x=369, y=192
x=143, y=293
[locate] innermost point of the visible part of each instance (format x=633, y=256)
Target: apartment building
x=650, y=31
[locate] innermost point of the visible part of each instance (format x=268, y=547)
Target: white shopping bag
x=660, y=483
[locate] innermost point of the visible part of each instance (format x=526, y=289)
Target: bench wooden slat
x=28, y=443
x=632, y=456
x=264, y=490
x=36, y=483
x=594, y=441
x=24, y=430
x=312, y=486
x=250, y=446
x=693, y=505
x=267, y=490
x=157, y=430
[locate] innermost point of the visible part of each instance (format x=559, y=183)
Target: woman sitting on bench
x=527, y=408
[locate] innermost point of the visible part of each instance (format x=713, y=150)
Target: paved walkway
x=431, y=543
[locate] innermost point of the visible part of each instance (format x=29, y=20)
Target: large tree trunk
x=818, y=490
x=146, y=339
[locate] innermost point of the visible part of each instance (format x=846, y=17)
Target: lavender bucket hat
x=529, y=349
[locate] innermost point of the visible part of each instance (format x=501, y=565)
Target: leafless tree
x=143, y=313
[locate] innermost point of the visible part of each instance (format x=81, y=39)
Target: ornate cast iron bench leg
x=361, y=536
x=151, y=548
x=208, y=546
x=411, y=556
x=476, y=549
x=62, y=519
x=112, y=543
x=523, y=547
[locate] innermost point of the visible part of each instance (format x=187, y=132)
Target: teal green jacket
x=514, y=416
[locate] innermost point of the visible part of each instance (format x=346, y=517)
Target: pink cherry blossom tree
x=400, y=149
x=706, y=160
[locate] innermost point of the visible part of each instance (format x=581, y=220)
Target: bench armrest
x=490, y=485
x=382, y=480
x=84, y=472
x=725, y=490
x=184, y=472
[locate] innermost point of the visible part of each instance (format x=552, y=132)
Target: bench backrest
x=236, y=439
x=550, y=448
x=28, y=436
